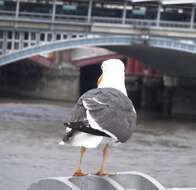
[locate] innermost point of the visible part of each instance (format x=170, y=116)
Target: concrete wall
x=33, y=81
x=57, y=85
x=184, y=101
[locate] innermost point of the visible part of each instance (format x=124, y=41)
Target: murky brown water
x=29, y=150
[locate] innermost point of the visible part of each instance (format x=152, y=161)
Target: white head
x=113, y=75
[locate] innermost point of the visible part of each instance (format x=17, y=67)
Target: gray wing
x=110, y=108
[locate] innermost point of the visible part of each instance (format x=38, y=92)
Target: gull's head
x=113, y=66
x=113, y=75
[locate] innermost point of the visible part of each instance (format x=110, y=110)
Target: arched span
x=100, y=41
x=65, y=45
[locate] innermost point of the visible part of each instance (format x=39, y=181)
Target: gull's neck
x=111, y=81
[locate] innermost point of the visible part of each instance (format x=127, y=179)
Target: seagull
x=104, y=115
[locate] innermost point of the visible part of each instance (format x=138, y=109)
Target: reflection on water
x=30, y=132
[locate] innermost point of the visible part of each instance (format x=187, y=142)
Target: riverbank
x=29, y=150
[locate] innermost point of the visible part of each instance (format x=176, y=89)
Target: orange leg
x=105, y=155
x=78, y=171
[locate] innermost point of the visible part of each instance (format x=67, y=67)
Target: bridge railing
x=141, y=22
x=108, y=20
x=101, y=41
x=29, y=15
x=7, y=13
x=47, y=17
x=174, y=24
x=71, y=18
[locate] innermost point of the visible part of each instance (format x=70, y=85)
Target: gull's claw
x=79, y=173
x=102, y=173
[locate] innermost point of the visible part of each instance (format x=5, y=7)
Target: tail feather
x=68, y=135
x=82, y=126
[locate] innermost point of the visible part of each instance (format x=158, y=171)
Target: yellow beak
x=99, y=79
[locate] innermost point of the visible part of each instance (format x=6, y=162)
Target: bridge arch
x=101, y=41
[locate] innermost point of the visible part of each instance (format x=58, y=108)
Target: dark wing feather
x=110, y=108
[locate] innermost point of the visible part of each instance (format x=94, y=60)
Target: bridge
x=138, y=44
x=25, y=34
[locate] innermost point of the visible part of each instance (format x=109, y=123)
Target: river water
x=29, y=150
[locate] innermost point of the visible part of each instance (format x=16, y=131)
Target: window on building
x=58, y=36
x=9, y=35
x=42, y=37
x=49, y=37
x=17, y=35
x=1, y=45
x=16, y=45
x=9, y=45
x=1, y=34
x=33, y=36
x=25, y=44
x=26, y=35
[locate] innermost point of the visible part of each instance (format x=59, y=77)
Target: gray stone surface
x=119, y=181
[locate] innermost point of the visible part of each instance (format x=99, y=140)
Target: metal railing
x=7, y=13
x=174, y=24
x=47, y=17
x=141, y=22
x=71, y=18
x=98, y=41
x=63, y=45
x=107, y=20
x=32, y=15
x=176, y=45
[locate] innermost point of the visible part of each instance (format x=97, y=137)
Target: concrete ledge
x=119, y=181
